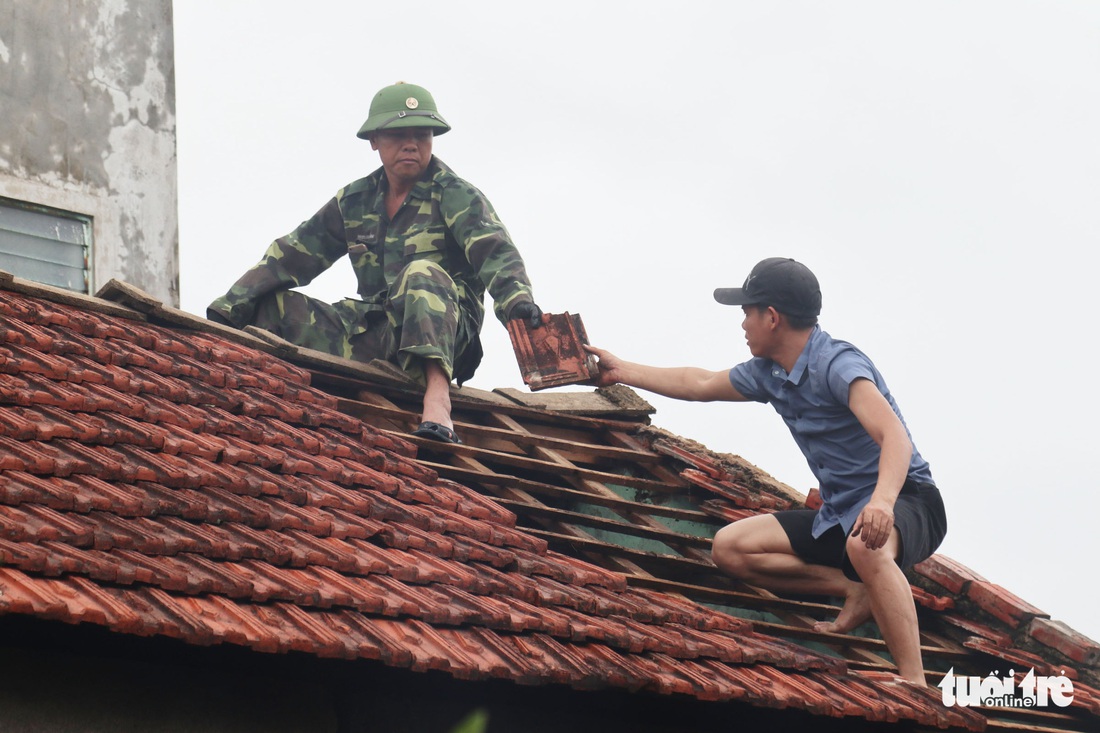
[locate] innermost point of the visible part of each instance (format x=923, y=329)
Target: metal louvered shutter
x=45, y=245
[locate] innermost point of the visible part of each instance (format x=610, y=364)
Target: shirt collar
x=801, y=366
x=422, y=189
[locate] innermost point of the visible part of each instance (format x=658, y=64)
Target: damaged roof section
x=165, y=476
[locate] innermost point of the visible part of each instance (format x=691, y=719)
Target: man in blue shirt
x=881, y=512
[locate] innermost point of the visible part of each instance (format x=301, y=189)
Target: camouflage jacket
x=443, y=219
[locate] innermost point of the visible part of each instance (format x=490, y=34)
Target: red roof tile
x=1001, y=603
x=948, y=573
x=552, y=354
x=1057, y=635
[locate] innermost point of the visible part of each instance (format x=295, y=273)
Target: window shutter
x=45, y=245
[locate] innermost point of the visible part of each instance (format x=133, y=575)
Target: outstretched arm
x=681, y=383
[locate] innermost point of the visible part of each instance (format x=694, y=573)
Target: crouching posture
x=425, y=246
x=882, y=511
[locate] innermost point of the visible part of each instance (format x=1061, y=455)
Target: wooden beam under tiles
x=493, y=458
x=609, y=550
x=876, y=657
x=572, y=524
x=848, y=640
x=859, y=655
x=490, y=478
x=631, y=442
x=566, y=530
x=576, y=450
x=868, y=657
x=586, y=483
x=666, y=536
x=941, y=640
x=399, y=418
x=344, y=387
x=726, y=597
x=545, y=419
x=796, y=618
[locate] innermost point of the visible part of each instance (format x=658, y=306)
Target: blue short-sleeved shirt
x=813, y=402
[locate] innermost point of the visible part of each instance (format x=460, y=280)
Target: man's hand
x=527, y=311
x=609, y=366
x=874, y=524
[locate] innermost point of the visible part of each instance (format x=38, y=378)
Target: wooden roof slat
x=589, y=451
x=566, y=530
x=643, y=520
x=491, y=478
x=393, y=413
x=542, y=466
x=728, y=597
x=587, y=520
x=617, y=503
x=831, y=639
x=612, y=550
x=345, y=386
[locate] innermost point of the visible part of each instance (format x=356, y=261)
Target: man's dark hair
x=798, y=323
x=801, y=323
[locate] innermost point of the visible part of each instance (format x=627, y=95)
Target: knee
x=425, y=275
x=865, y=560
x=728, y=551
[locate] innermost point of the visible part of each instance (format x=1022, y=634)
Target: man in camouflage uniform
x=425, y=246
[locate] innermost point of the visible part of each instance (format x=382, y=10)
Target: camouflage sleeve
x=290, y=261
x=487, y=245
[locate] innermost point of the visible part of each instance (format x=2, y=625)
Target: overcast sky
x=937, y=164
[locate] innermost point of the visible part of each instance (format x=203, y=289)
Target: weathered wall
x=88, y=124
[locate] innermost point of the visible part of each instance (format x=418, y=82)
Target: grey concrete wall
x=88, y=124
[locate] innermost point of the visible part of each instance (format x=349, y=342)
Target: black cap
x=780, y=282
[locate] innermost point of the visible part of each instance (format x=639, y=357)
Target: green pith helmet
x=403, y=105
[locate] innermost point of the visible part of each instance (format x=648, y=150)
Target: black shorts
x=918, y=515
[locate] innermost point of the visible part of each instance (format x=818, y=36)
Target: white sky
x=937, y=164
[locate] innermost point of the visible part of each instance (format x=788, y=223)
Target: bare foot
x=856, y=610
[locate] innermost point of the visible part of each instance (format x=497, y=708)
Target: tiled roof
x=160, y=475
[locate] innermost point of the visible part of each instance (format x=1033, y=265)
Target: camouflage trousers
x=422, y=319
